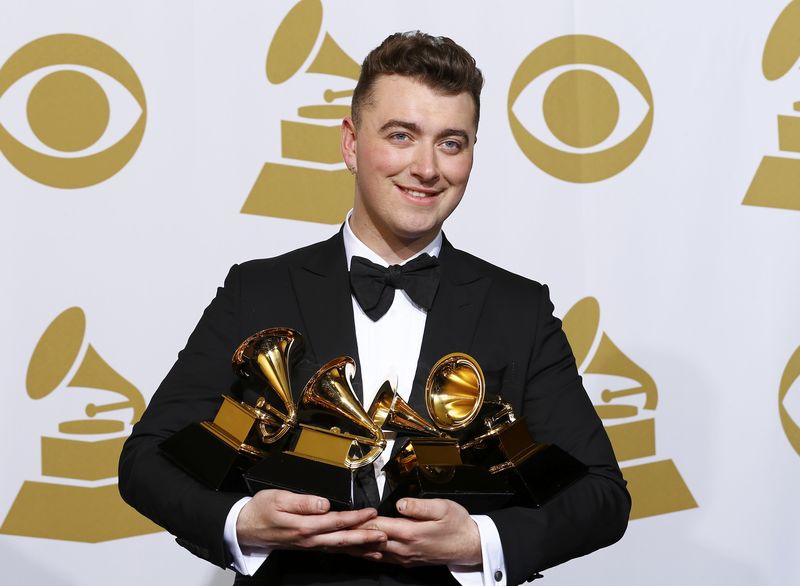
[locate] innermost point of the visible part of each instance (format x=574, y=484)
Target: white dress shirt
x=388, y=349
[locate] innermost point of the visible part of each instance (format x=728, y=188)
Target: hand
x=431, y=532
x=280, y=519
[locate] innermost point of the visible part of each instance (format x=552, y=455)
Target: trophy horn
x=454, y=391
x=267, y=356
x=391, y=413
x=329, y=403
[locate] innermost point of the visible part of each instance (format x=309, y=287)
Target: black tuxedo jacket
x=503, y=320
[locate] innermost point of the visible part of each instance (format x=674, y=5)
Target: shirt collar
x=354, y=247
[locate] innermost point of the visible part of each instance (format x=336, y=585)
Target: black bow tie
x=374, y=285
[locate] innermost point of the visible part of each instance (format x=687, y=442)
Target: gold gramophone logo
x=578, y=110
x=79, y=501
x=791, y=375
x=67, y=110
x=777, y=180
x=315, y=186
x=655, y=484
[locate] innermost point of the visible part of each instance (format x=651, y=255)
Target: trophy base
x=299, y=474
x=471, y=487
x=205, y=455
x=545, y=472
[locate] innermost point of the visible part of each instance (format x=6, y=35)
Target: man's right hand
x=279, y=519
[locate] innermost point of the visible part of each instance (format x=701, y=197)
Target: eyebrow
x=414, y=127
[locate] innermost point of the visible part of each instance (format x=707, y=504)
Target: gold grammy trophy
x=333, y=438
x=656, y=486
x=535, y=470
x=218, y=452
x=777, y=181
x=80, y=501
x=429, y=464
x=321, y=190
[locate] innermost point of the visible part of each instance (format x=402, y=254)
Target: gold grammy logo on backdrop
x=581, y=108
x=68, y=110
x=790, y=375
x=306, y=192
x=82, y=502
x=655, y=484
x=777, y=180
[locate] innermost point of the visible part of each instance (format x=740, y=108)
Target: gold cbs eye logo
x=68, y=110
x=791, y=375
x=581, y=108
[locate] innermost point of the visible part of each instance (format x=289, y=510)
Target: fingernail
x=401, y=505
x=321, y=505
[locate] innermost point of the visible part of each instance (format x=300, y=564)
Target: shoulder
x=313, y=253
x=500, y=277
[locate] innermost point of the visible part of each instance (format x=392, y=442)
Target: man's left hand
x=430, y=532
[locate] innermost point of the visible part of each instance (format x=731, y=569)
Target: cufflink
x=498, y=576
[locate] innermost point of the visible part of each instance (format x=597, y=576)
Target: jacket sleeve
x=191, y=392
x=593, y=512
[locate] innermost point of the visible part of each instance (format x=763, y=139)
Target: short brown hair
x=438, y=62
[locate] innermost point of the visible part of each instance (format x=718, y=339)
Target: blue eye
x=452, y=145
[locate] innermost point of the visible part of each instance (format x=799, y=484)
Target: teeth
x=415, y=193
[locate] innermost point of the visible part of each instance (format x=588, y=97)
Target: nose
x=424, y=167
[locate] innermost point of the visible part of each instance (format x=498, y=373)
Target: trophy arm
x=377, y=447
x=273, y=423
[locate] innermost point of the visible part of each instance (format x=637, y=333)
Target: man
x=410, y=145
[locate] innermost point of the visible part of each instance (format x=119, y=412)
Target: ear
x=349, y=143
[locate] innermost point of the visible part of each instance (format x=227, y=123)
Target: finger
x=367, y=540
x=300, y=504
x=334, y=521
x=423, y=509
x=376, y=523
x=400, y=560
x=367, y=552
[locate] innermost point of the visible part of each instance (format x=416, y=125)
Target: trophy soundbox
x=333, y=438
x=428, y=464
x=218, y=452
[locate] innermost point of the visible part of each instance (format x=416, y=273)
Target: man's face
x=412, y=153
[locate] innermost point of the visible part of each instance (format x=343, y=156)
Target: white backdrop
x=695, y=294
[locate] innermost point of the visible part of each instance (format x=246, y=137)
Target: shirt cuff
x=245, y=561
x=493, y=570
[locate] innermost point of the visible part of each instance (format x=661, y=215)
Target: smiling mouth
x=417, y=194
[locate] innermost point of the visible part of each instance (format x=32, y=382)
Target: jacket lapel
x=322, y=287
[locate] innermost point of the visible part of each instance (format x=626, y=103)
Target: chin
x=417, y=233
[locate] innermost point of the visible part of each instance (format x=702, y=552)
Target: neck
x=390, y=247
